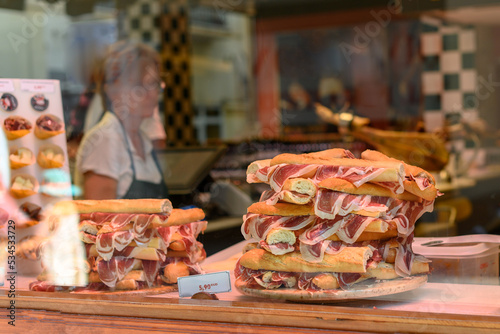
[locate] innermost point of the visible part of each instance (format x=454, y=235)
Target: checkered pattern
x=176, y=63
x=142, y=22
x=449, y=76
x=164, y=26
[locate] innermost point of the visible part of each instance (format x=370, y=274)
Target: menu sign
x=38, y=86
x=31, y=116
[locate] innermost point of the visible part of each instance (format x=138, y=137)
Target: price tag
x=210, y=283
x=37, y=86
x=6, y=85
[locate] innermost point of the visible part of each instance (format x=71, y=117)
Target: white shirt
x=152, y=126
x=104, y=151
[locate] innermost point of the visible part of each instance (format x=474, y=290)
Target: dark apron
x=144, y=189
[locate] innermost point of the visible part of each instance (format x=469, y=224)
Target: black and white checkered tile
x=175, y=52
x=142, y=22
x=164, y=26
x=449, y=76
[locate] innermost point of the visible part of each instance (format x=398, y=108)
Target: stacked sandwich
x=330, y=221
x=133, y=244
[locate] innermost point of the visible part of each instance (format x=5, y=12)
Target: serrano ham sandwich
x=135, y=244
x=331, y=220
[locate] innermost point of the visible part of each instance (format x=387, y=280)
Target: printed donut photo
x=20, y=157
x=50, y=156
x=16, y=127
x=23, y=185
x=39, y=102
x=48, y=126
x=8, y=102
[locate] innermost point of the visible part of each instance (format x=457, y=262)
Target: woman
x=116, y=158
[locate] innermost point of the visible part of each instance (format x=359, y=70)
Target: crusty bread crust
x=181, y=217
x=429, y=194
x=326, y=281
x=126, y=284
x=147, y=205
x=365, y=189
x=281, y=209
x=177, y=245
x=409, y=169
x=173, y=271
x=349, y=260
x=386, y=270
x=318, y=158
x=141, y=253
x=292, y=210
x=256, y=165
x=331, y=153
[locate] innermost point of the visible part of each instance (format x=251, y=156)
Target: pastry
x=23, y=185
x=50, y=156
x=16, y=127
x=21, y=157
x=48, y=126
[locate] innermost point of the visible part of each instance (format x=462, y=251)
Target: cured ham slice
x=406, y=213
x=275, y=280
x=260, y=176
x=144, y=238
x=352, y=227
x=258, y=226
x=189, y=233
x=305, y=282
x=346, y=280
x=245, y=274
x=151, y=269
x=315, y=252
x=283, y=172
x=278, y=174
x=113, y=270
x=422, y=182
x=116, y=221
x=331, y=203
x=395, y=187
x=355, y=175
x=278, y=248
x=165, y=234
x=271, y=197
x=321, y=230
x=107, y=243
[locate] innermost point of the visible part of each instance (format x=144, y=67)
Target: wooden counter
x=433, y=308
x=68, y=312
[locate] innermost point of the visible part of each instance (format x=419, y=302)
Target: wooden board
x=360, y=290
x=146, y=313
x=141, y=292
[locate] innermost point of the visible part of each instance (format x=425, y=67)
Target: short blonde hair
x=124, y=58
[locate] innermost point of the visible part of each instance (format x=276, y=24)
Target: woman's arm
x=98, y=186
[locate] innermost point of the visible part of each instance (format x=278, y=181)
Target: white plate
x=360, y=290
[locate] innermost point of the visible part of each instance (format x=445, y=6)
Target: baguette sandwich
x=330, y=221
x=139, y=245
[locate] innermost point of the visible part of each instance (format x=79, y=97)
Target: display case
x=265, y=110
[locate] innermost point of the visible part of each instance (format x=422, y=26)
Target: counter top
x=434, y=307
